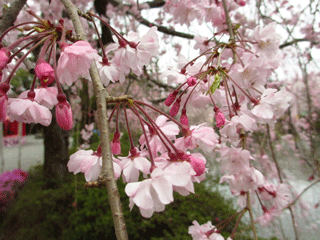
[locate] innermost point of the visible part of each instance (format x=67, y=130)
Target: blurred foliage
x=76, y=212
x=21, y=80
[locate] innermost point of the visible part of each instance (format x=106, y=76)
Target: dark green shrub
x=51, y=213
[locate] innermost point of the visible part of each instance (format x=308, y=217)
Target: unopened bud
x=197, y=165
x=191, y=81
x=184, y=119
x=175, y=108
x=64, y=113
x=240, y=2
x=116, y=147
x=170, y=99
x=44, y=72
x=220, y=119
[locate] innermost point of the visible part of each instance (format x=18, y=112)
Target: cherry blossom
x=169, y=128
x=46, y=96
x=201, y=232
x=132, y=165
x=196, y=136
x=89, y=163
x=75, y=61
x=28, y=111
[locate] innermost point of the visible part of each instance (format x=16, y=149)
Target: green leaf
x=215, y=84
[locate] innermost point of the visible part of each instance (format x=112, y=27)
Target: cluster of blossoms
x=184, y=12
x=205, y=231
x=10, y=182
x=232, y=80
x=163, y=159
x=34, y=105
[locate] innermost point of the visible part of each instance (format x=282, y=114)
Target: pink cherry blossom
x=46, y=96
x=75, y=61
x=268, y=216
x=169, y=128
x=234, y=160
x=153, y=194
x=268, y=40
x=198, y=136
x=110, y=72
x=28, y=111
x=132, y=165
x=89, y=163
x=203, y=232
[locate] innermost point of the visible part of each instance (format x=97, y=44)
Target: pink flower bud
x=170, y=99
x=220, y=119
x=175, y=108
x=197, y=165
x=116, y=147
x=184, y=119
x=115, y=143
x=240, y=2
x=191, y=81
x=64, y=113
x=4, y=57
x=44, y=72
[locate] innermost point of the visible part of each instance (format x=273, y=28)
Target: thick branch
x=10, y=14
x=107, y=174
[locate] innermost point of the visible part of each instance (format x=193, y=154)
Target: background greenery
x=75, y=212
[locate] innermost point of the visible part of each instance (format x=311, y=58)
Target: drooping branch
x=107, y=174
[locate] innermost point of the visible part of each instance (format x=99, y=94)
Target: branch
x=286, y=44
x=156, y=3
x=161, y=28
x=10, y=14
x=303, y=191
x=107, y=174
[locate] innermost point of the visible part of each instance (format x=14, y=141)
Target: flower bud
x=170, y=99
x=64, y=113
x=240, y=2
x=116, y=147
x=115, y=144
x=197, y=165
x=44, y=72
x=4, y=57
x=191, y=81
x=220, y=119
x=184, y=119
x=175, y=108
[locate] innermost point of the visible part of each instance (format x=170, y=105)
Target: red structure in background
x=11, y=133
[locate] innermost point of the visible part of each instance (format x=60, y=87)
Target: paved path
x=32, y=153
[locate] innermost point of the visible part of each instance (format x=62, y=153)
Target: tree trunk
x=56, y=154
